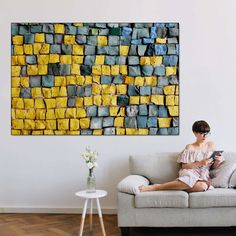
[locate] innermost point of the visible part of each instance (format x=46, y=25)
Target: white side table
x=89, y=197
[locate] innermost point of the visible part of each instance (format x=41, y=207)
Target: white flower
x=95, y=164
x=90, y=165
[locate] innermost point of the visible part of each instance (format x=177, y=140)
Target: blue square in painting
x=152, y=122
x=108, y=121
x=153, y=32
x=143, y=110
x=159, y=70
x=126, y=31
x=160, y=49
x=105, y=79
x=103, y=111
x=91, y=111
x=142, y=121
x=48, y=81
x=133, y=90
x=163, y=112
x=145, y=90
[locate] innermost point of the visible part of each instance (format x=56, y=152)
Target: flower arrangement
x=90, y=158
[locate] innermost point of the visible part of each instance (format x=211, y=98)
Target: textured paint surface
x=95, y=79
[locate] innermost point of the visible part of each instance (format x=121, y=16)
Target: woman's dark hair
x=201, y=126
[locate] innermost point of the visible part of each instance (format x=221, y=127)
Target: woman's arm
x=196, y=164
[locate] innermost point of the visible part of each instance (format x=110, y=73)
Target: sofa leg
x=124, y=231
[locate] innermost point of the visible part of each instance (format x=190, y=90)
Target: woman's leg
x=173, y=185
x=200, y=186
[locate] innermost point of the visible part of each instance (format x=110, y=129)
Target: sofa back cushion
x=158, y=168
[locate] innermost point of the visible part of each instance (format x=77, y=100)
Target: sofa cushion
x=131, y=183
x=167, y=198
x=232, y=182
x=158, y=168
x=217, y=197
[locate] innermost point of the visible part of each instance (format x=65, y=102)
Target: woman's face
x=201, y=137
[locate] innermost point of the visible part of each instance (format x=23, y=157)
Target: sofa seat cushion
x=167, y=198
x=218, y=197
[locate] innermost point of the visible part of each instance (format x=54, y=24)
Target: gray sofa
x=170, y=208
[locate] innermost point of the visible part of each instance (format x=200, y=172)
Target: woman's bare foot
x=144, y=188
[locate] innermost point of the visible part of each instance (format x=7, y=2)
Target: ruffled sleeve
x=186, y=156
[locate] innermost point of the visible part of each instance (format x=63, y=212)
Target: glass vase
x=91, y=182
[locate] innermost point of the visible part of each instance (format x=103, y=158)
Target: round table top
x=97, y=194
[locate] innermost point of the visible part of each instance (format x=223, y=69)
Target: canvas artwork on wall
x=95, y=78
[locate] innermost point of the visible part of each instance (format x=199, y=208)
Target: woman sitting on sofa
x=195, y=164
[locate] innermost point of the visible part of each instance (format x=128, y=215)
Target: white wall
x=44, y=172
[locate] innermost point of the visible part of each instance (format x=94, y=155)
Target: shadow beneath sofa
x=195, y=231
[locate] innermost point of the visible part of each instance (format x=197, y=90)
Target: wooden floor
x=68, y=225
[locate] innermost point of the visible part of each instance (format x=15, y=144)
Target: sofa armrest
x=131, y=183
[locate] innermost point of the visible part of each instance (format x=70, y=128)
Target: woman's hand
x=218, y=161
x=206, y=161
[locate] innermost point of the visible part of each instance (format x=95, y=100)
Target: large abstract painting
x=95, y=78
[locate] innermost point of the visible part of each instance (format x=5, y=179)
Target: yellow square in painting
x=40, y=124
x=96, y=89
x=160, y=40
x=43, y=59
x=97, y=100
x=81, y=112
x=164, y=122
x=114, y=111
x=63, y=124
x=96, y=79
x=106, y=70
x=169, y=90
x=170, y=70
x=157, y=99
x=170, y=100
x=124, y=50
x=78, y=50
x=24, y=81
x=123, y=69
x=30, y=114
x=42, y=69
x=115, y=70
x=39, y=103
x=15, y=82
x=145, y=61
x=156, y=60
x=36, y=92
x=173, y=110
x=60, y=113
x=71, y=113
x=144, y=99
x=60, y=81
x=84, y=123
x=63, y=92
x=120, y=131
x=71, y=79
x=75, y=69
x=96, y=70
x=151, y=81
x=50, y=103
x=79, y=102
x=129, y=80
x=88, y=79
x=97, y=132
x=74, y=124
x=18, y=103
x=88, y=101
x=47, y=92
x=69, y=39
x=121, y=88
x=28, y=49
x=102, y=40
x=55, y=91
x=15, y=92
x=65, y=59
x=15, y=70
x=61, y=102
x=21, y=60
x=29, y=124
x=106, y=100
x=45, y=49
x=99, y=59
x=54, y=58
x=40, y=114
x=18, y=50
x=29, y=103
x=134, y=100
x=37, y=48
x=77, y=59
x=39, y=38
x=59, y=28
x=17, y=39
x=139, y=81
x=20, y=114
x=119, y=122
x=32, y=69
x=51, y=124
x=17, y=124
